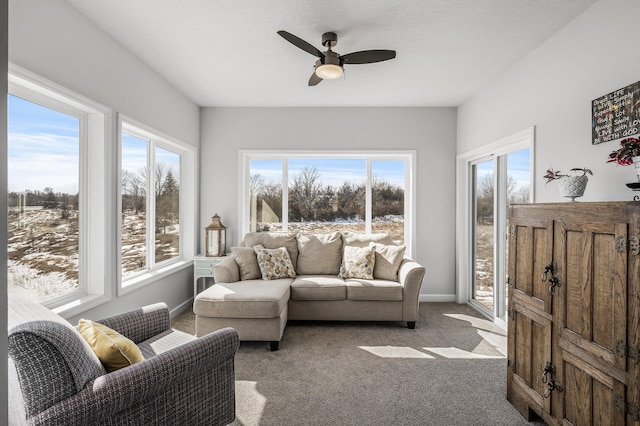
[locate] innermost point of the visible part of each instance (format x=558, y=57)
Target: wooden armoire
x=574, y=312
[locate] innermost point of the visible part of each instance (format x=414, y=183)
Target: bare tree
x=303, y=192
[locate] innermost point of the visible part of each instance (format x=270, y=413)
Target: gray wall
x=552, y=88
x=54, y=40
x=429, y=131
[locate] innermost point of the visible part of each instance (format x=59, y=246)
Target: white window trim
x=464, y=249
x=409, y=157
x=96, y=171
x=188, y=204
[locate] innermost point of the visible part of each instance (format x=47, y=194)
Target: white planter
x=573, y=186
x=636, y=165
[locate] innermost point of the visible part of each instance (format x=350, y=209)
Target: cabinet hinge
x=633, y=245
x=512, y=230
x=511, y=313
x=630, y=408
x=633, y=352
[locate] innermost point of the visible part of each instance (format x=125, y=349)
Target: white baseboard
x=437, y=298
x=180, y=308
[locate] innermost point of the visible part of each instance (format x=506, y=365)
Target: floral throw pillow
x=274, y=263
x=358, y=262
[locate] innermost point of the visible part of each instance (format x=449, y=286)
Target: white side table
x=202, y=268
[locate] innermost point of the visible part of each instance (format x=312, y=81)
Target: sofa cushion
x=244, y=299
x=272, y=240
x=363, y=240
x=247, y=262
x=388, y=260
x=358, y=289
x=318, y=287
x=274, y=264
x=358, y=262
x=114, y=350
x=319, y=254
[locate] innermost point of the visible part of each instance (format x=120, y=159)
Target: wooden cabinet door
x=530, y=252
x=590, y=321
x=529, y=348
x=590, y=396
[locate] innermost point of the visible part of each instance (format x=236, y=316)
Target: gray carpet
x=450, y=370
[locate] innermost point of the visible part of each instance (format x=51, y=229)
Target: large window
x=151, y=181
x=56, y=166
x=327, y=191
x=43, y=189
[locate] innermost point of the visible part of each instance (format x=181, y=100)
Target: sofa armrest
x=410, y=275
x=226, y=271
x=141, y=324
x=205, y=366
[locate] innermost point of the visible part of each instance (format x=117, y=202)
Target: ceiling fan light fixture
x=329, y=71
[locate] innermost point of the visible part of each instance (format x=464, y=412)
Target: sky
x=333, y=171
x=44, y=152
x=44, y=149
x=518, y=166
x=134, y=156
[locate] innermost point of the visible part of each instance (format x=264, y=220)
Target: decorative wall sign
x=616, y=115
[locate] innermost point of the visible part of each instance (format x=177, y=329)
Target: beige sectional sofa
x=274, y=277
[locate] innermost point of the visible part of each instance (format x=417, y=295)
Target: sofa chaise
x=275, y=277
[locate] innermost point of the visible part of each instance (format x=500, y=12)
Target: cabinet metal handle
x=551, y=386
x=555, y=281
x=550, y=268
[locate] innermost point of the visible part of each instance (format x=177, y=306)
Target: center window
x=325, y=193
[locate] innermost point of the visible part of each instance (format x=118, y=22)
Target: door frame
x=464, y=212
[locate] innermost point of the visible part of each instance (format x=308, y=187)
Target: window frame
x=188, y=190
x=95, y=171
x=408, y=156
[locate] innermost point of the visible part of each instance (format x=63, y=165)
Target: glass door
x=483, y=176
x=496, y=182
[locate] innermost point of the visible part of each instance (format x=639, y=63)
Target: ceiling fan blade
x=314, y=79
x=300, y=43
x=368, y=56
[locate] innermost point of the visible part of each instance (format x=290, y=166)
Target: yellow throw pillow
x=113, y=349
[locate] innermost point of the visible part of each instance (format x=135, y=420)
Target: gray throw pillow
x=246, y=259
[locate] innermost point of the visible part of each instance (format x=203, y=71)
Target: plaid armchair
x=55, y=378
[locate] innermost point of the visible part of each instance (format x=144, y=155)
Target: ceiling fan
x=330, y=64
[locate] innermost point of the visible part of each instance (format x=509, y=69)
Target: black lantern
x=215, y=238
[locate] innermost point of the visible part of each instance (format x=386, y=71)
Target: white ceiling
x=227, y=53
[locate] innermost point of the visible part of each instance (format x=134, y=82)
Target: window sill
x=80, y=305
x=134, y=283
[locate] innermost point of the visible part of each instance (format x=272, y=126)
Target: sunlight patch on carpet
x=457, y=353
x=476, y=322
x=253, y=403
x=395, y=352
